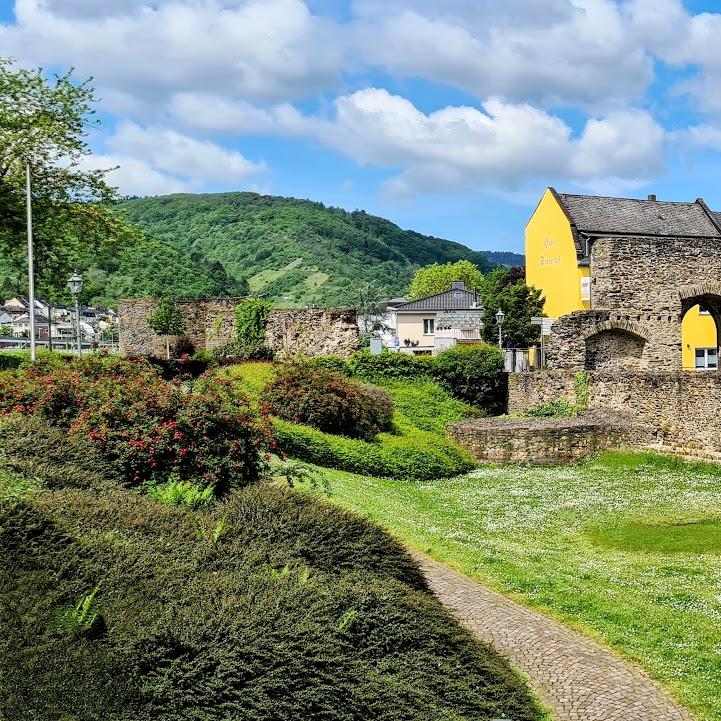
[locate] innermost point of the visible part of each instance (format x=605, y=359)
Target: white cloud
x=135, y=177
x=501, y=147
x=172, y=152
x=684, y=40
x=154, y=161
x=255, y=49
x=566, y=51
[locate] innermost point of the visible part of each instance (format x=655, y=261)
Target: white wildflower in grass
x=627, y=546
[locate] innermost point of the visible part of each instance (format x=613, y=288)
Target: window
x=706, y=358
x=429, y=326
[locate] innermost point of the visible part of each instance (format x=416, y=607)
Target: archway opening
x=614, y=348
x=700, y=324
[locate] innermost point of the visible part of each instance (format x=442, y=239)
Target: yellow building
x=557, y=262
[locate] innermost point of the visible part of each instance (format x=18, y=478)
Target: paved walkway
x=578, y=679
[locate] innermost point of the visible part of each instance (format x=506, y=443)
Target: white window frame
x=706, y=366
x=429, y=323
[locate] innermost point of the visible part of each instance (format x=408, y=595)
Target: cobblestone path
x=575, y=677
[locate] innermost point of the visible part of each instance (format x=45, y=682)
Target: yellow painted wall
x=697, y=331
x=551, y=262
x=410, y=325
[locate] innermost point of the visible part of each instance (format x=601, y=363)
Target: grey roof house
x=428, y=325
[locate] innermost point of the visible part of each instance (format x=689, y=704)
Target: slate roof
x=449, y=300
x=595, y=215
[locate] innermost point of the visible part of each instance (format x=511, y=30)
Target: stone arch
x=613, y=345
x=708, y=296
x=692, y=292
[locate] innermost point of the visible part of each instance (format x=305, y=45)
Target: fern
x=181, y=493
x=347, y=620
x=81, y=617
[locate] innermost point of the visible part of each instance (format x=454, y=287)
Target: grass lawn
x=626, y=548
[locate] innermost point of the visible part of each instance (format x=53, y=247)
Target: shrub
x=300, y=611
x=413, y=455
x=328, y=401
x=557, y=408
x=427, y=405
x=12, y=359
x=35, y=449
x=333, y=363
x=474, y=373
x=390, y=365
x=150, y=428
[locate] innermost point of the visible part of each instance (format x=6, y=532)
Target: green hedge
x=297, y=611
x=390, y=365
x=474, y=374
x=414, y=454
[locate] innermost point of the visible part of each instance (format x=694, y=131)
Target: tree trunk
x=167, y=347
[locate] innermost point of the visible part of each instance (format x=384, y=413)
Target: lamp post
x=31, y=265
x=75, y=284
x=500, y=317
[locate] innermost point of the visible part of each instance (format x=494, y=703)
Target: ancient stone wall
x=210, y=324
x=537, y=441
x=681, y=409
x=645, y=286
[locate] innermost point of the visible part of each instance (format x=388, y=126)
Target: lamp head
x=500, y=317
x=75, y=283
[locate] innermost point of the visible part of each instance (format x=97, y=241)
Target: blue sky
x=449, y=118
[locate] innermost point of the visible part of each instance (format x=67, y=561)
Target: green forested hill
x=293, y=251
x=505, y=257
x=144, y=266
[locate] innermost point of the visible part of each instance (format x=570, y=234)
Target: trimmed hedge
x=412, y=455
x=333, y=363
x=474, y=374
x=299, y=611
x=328, y=401
x=390, y=365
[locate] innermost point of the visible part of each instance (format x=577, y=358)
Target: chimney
x=652, y=197
x=458, y=285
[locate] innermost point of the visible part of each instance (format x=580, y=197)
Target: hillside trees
x=46, y=122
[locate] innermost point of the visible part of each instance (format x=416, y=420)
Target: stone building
x=624, y=278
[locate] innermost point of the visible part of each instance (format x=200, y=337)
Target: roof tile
x=627, y=216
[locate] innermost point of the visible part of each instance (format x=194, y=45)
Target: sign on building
x=586, y=288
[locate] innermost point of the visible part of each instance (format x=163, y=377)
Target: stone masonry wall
x=537, y=441
x=210, y=324
x=647, y=285
x=681, y=409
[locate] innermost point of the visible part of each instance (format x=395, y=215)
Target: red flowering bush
x=151, y=428
x=328, y=401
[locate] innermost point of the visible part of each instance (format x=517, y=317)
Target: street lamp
x=500, y=317
x=75, y=284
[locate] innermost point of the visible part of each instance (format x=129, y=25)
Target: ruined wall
x=210, y=324
x=681, y=408
x=647, y=284
x=537, y=441
x=312, y=331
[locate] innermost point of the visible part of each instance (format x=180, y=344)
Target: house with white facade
x=429, y=325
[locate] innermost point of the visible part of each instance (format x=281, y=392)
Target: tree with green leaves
x=503, y=289
x=438, y=277
x=167, y=320
x=45, y=122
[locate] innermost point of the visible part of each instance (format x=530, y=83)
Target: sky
x=449, y=118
